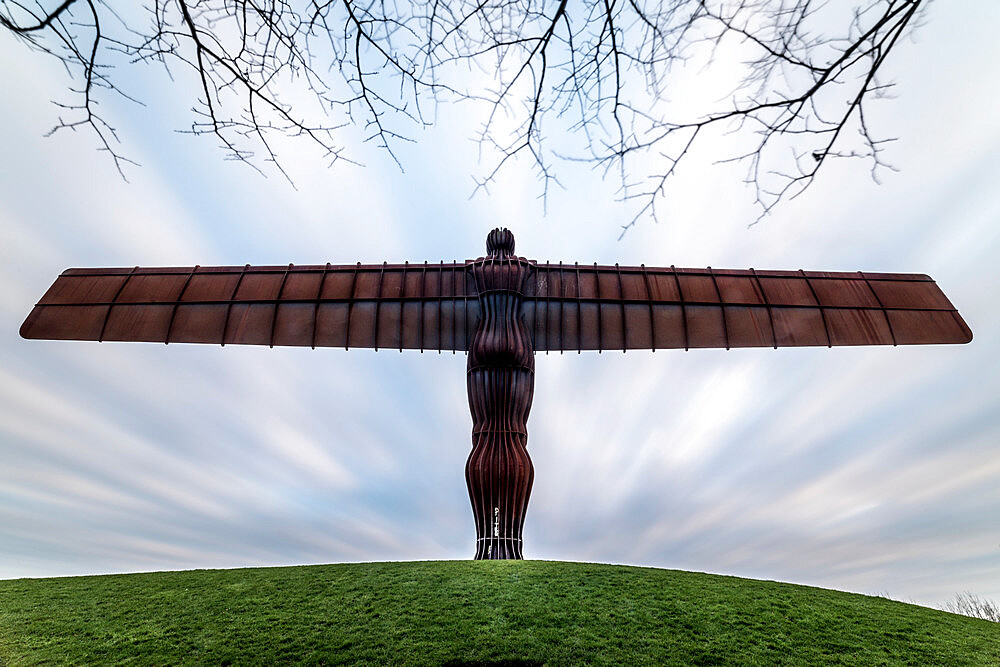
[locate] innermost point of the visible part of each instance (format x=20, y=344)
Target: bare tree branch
x=600, y=81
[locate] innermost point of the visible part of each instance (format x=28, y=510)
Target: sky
x=874, y=470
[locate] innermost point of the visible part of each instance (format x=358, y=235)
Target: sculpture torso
x=500, y=379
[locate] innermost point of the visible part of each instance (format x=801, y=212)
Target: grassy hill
x=470, y=613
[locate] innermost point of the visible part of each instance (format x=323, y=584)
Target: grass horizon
x=879, y=594
x=470, y=613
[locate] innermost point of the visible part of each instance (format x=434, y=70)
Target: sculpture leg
x=499, y=471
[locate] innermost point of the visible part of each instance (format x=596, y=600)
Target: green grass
x=466, y=612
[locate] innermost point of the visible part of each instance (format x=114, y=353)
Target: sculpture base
x=499, y=548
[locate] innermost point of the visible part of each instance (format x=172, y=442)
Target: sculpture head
x=500, y=243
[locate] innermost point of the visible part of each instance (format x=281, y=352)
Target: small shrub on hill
x=968, y=604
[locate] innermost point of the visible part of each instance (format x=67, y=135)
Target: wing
x=435, y=307
x=574, y=307
x=404, y=306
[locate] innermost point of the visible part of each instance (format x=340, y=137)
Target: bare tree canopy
x=631, y=86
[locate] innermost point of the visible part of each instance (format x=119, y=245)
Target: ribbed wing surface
x=576, y=307
x=436, y=307
x=402, y=306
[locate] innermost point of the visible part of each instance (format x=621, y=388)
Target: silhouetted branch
x=582, y=81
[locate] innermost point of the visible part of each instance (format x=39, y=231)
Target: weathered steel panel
x=408, y=306
x=564, y=307
x=585, y=307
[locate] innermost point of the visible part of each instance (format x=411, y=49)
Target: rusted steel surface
x=501, y=309
x=501, y=381
x=393, y=306
x=590, y=307
x=436, y=307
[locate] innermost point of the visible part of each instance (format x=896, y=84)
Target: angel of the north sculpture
x=500, y=309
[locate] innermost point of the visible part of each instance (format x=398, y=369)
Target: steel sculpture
x=501, y=309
